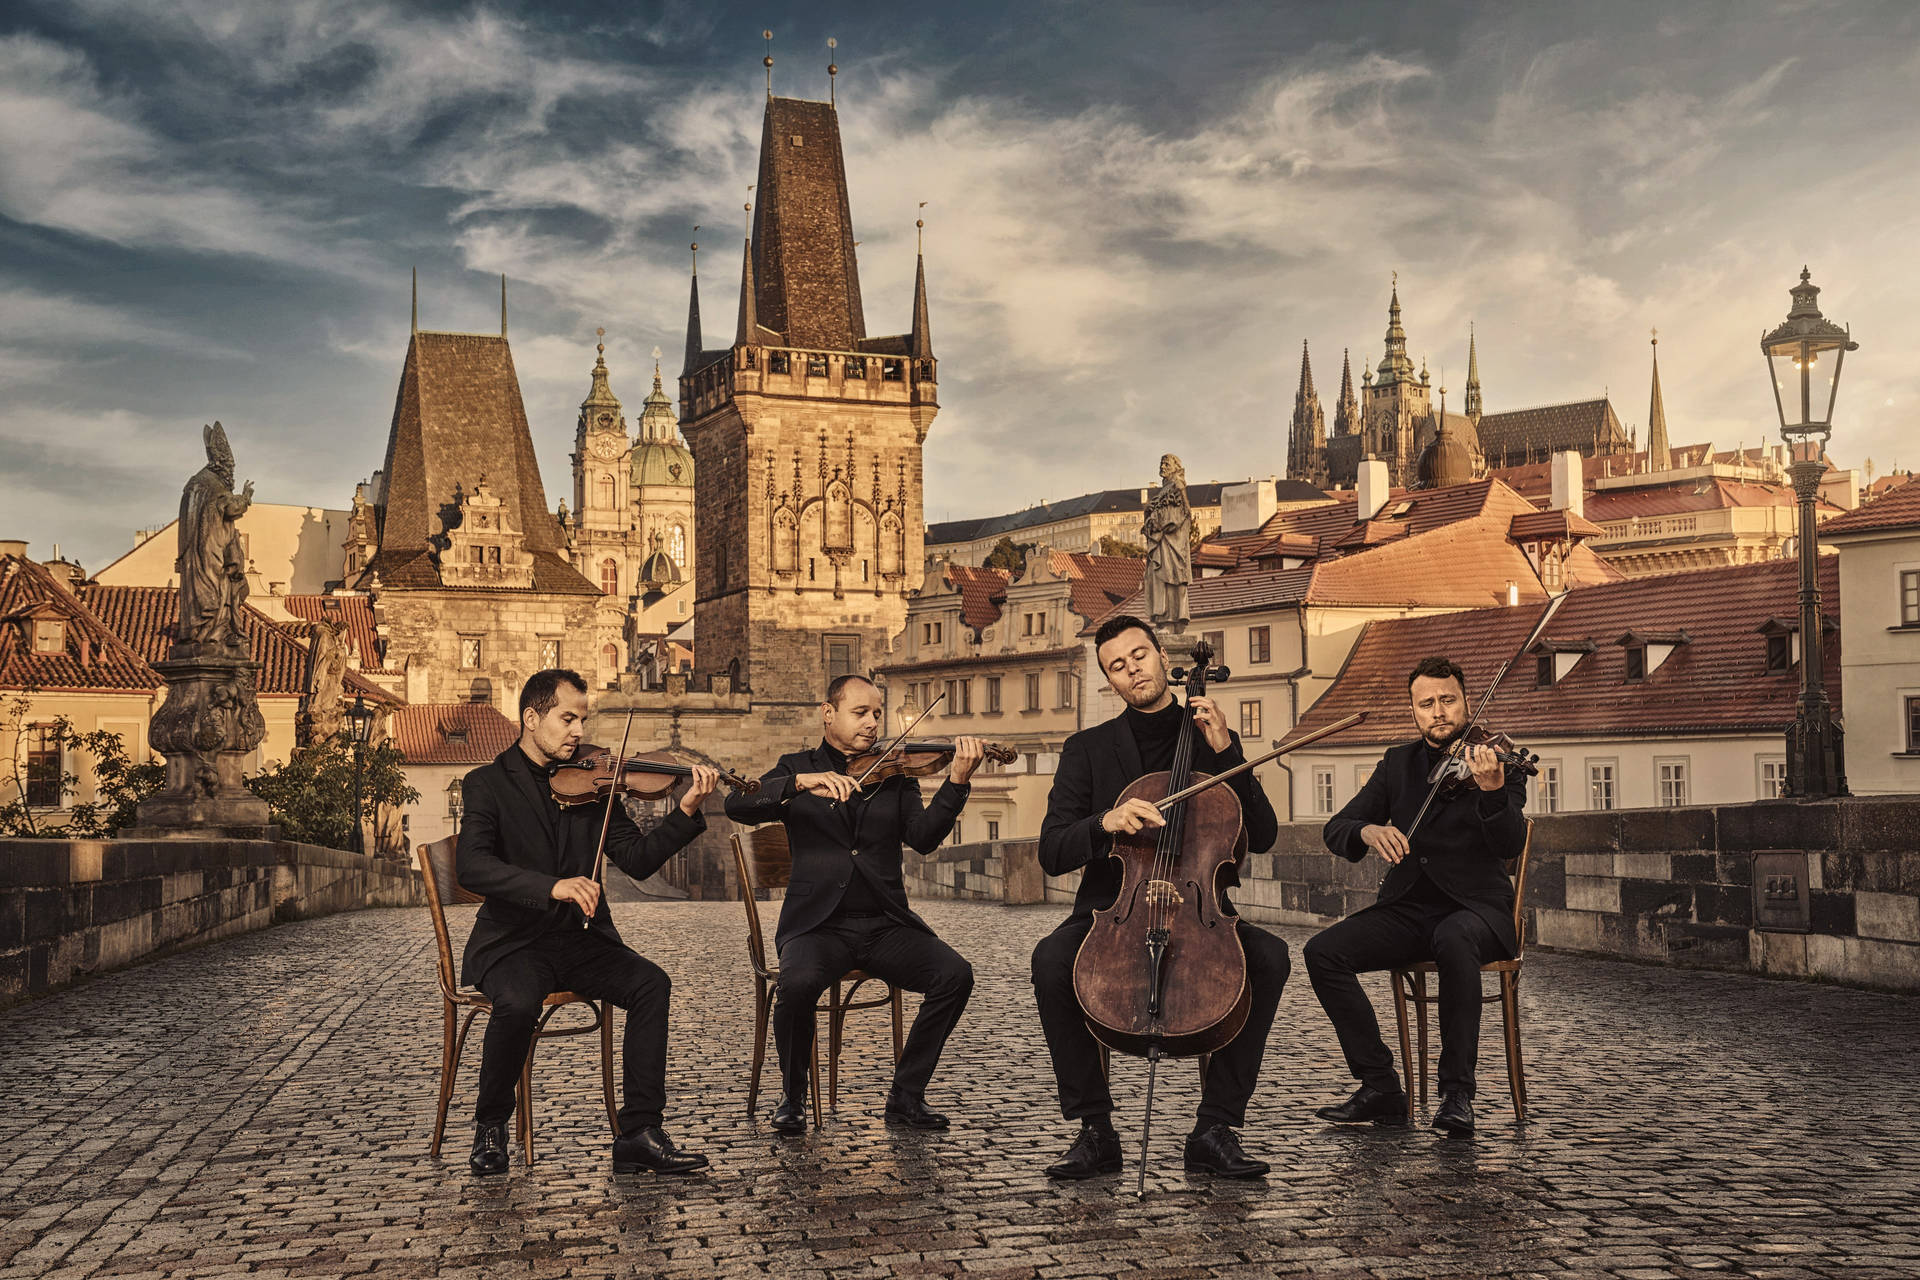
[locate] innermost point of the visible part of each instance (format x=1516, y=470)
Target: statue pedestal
x=209, y=722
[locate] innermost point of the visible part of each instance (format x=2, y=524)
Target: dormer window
x=49, y=635
x=1555, y=658
x=1779, y=653
x=1636, y=663
x=1646, y=650
x=1543, y=671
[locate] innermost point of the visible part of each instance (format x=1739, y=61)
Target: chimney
x=11, y=547
x=1569, y=483
x=1513, y=593
x=1374, y=488
x=1247, y=506
x=63, y=572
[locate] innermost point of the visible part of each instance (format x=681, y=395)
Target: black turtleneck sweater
x=1156, y=734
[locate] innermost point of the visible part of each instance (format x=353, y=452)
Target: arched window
x=609, y=657
x=605, y=487
x=610, y=576
x=677, y=545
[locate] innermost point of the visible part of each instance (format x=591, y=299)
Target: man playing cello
x=533, y=862
x=1096, y=765
x=1446, y=898
x=846, y=906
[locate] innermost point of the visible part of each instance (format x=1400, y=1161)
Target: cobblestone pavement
x=262, y=1107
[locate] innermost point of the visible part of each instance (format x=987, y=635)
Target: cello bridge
x=1161, y=893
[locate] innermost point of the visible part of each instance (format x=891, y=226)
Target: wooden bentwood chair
x=1410, y=986
x=766, y=862
x=436, y=865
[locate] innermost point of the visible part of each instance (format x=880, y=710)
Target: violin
x=916, y=759
x=1453, y=775
x=588, y=778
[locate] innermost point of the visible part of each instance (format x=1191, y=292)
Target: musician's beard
x=1146, y=693
x=1440, y=735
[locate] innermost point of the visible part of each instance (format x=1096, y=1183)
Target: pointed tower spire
x=415, y=324
x=1307, y=435
x=1346, y=414
x=1473, y=377
x=920, y=341
x=1659, y=457
x=748, y=332
x=693, y=316
x=1396, y=365
x=503, y=304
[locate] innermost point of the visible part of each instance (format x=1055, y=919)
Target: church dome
x=659, y=570
x=662, y=462
x=1448, y=459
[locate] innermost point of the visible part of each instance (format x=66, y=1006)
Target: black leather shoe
x=650, y=1150
x=789, y=1118
x=489, y=1150
x=912, y=1112
x=1368, y=1103
x=1216, y=1149
x=1455, y=1116
x=1094, y=1152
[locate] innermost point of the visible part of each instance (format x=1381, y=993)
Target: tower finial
x=415, y=323
x=833, y=99
x=600, y=347
x=768, y=37
x=920, y=232
x=503, y=304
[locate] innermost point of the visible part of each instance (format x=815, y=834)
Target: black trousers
x=909, y=958
x=1232, y=1072
x=1388, y=936
x=577, y=961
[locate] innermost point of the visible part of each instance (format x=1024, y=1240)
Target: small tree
x=1009, y=555
x=311, y=794
x=120, y=784
x=1112, y=546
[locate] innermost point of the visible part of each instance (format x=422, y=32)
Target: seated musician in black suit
x=846, y=906
x=1096, y=765
x=544, y=926
x=1446, y=898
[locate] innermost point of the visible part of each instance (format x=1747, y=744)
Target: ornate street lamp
x=360, y=723
x=1804, y=356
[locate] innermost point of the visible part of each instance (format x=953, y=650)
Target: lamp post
x=360, y=721
x=1804, y=356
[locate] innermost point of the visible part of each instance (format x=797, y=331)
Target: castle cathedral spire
x=1346, y=414
x=920, y=341
x=1307, y=436
x=1473, y=378
x=1396, y=365
x=1659, y=457
x=693, y=318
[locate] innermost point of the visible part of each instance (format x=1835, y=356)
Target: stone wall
x=70, y=909
x=997, y=871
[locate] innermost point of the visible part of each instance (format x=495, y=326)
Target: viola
x=1454, y=776
x=916, y=759
x=589, y=777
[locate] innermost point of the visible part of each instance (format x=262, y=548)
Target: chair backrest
x=1520, y=890
x=436, y=865
x=762, y=861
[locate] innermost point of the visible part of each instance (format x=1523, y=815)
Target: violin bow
x=1486, y=699
x=898, y=738
x=1338, y=726
x=606, y=819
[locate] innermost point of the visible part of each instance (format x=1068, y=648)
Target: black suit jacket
x=515, y=844
x=1096, y=765
x=824, y=837
x=1461, y=844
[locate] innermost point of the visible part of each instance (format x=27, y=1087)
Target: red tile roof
x=981, y=592
x=1893, y=509
x=1098, y=583
x=354, y=612
x=94, y=657
x=1712, y=493
x=1716, y=682
x=1536, y=526
x=451, y=732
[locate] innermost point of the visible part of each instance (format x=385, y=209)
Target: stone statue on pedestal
x=1168, y=529
x=322, y=715
x=211, y=718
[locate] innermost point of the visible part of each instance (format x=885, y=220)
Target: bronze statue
x=1168, y=527
x=212, y=562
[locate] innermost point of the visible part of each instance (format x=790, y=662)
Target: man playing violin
x=1096, y=765
x=846, y=906
x=545, y=926
x=1445, y=898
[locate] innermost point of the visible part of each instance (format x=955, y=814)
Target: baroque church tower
x=1394, y=404
x=806, y=436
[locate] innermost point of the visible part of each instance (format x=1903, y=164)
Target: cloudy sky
x=1136, y=212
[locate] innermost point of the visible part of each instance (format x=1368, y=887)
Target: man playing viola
x=1096, y=765
x=545, y=926
x=846, y=905
x=1445, y=898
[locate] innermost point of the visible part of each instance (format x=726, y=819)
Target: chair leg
x=1400, y=981
x=525, y=1109
x=1420, y=1025
x=1516, y=1069
x=606, y=1066
x=836, y=1017
x=448, y=1016
x=1106, y=1062
x=1205, y=1060
x=813, y=1075
x=760, y=1013
x=899, y=1026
